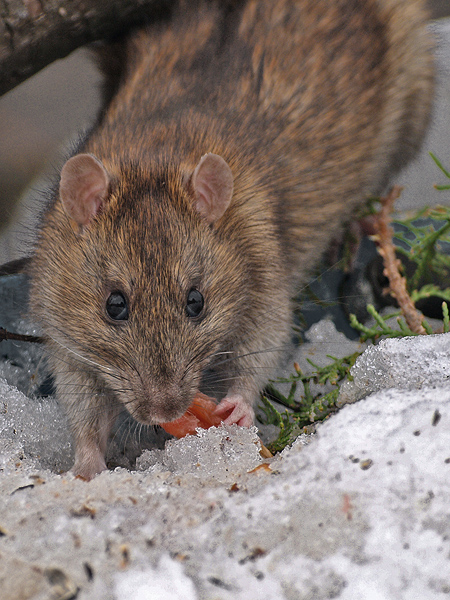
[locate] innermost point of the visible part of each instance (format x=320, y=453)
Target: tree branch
x=34, y=33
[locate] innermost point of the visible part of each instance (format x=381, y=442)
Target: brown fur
x=313, y=104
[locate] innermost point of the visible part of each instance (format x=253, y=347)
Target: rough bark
x=34, y=33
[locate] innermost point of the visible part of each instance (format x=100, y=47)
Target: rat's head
x=138, y=280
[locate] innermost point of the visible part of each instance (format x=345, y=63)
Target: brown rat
x=235, y=141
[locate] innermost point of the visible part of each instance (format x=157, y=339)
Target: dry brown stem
x=397, y=283
x=8, y=335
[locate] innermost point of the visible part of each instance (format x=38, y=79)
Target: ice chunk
x=407, y=363
x=218, y=453
x=39, y=426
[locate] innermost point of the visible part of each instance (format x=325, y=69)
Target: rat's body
x=302, y=110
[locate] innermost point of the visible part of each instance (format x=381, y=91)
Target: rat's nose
x=155, y=403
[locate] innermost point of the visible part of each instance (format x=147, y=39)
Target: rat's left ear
x=212, y=183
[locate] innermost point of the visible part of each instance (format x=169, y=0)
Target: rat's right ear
x=83, y=188
x=212, y=183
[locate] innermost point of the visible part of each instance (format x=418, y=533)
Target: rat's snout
x=153, y=402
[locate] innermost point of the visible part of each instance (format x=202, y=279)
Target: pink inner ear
x=83, y=188
x=212, y=182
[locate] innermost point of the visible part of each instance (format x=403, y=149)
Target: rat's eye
x=194, y=304
x=117, y=307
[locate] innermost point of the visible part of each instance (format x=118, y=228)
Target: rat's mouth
x=200, y=414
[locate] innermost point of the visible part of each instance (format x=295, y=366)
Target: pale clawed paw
x=235, y=410
x=88, y=465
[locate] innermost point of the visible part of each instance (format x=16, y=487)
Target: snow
x=383, y=366
x=39, y=426
x=361, y=509
x=166, y=582
x=219, y=453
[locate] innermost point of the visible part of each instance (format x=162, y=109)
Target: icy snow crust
x=360, y=510
x=381, y=367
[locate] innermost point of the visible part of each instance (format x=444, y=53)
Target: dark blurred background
x=439, y=8
x=40, y=117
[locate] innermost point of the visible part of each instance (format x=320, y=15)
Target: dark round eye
x=194, y=304
x=117, y=307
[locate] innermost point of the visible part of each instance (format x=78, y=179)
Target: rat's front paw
x=235, y=410
x=88, y=464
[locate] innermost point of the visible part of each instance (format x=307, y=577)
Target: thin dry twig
x=386, y=248
x=8, y=335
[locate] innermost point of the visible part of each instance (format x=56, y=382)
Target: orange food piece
x=199, y=414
